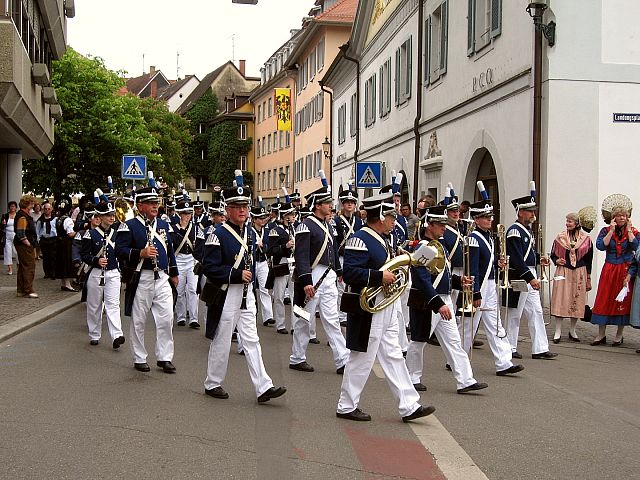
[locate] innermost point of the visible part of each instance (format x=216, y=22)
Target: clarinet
x=106, y=255
x=247, y=266
x=154, y=260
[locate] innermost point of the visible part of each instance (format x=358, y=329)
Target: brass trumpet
x=503, y=284
x=429, y=255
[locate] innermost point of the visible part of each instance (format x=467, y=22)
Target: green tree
x=199, y=115
x=225, y=149
x=98, y=126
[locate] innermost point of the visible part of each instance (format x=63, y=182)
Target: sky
x=201, y=31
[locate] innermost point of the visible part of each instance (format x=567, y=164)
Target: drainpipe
x=419, y=87
x=324, y=89
x=344, y=49
x=537, y=111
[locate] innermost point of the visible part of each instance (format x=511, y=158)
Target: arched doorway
x=487, y=174
x=404, y=188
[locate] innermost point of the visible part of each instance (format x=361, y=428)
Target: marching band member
x=347, y=223
x=317, y=268
x=432, y=293
x=280, y=251
x=143, y=246
x=452, y=238
x=259, y=217
x=228, y=265
x=103, y=280
x=199, y=217
x=65, y=229
x=522, y=263
x=183, y=236
x=374, y=335
x=482, y=261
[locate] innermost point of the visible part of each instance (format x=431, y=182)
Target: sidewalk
x=18, y=314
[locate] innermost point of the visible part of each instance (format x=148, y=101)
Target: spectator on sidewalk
x=24, y=241
x=66, y=232
x=35, y=214
x=47, y=238
x=412, y=220
x=8, y=230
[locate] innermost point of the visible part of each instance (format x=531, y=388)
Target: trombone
x=545, y=268
x=503, y=281
x=467, y=309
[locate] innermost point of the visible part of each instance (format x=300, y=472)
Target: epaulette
x=87, y=234
x=514, y=232
x=302, y=228
x=123, y=227
x=473, y=242
x=355, y=243
x=212, y=239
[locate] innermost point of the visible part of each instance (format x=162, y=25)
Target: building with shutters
x=33, y=34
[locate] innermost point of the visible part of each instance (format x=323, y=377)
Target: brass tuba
x=122, y=209
x=429, y=255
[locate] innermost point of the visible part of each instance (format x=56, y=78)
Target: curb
x=24, y=323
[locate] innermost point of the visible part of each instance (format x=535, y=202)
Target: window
x=243, y=162
x=385, y=88
x=308, y=166
x=298, y=170
x=259, y=113
x=403, y=72
x=258, y=149
x=201, y=182
x=288, y=139
x=270, y=108
x=280, y=139
x=353, y=119
x=275, y=141
x=243, y=131
x=317, y=163
x=258, y=183
x=268, y=179
x=312, y=64
x=286, y=179
x=264, y=180
x=264, y=146
x=342, y=123
x=269, y=143
x=320, y=55
x=435, y=47
x=275, y=180
x=319, y=106
x=264, y=110
x=370, y=101
x=484, y=23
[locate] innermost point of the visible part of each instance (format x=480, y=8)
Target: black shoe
x=96, y=342
x=315, y=341
x=477, y=343
x=472, y=388
x=241, y=352
x=343, y=324
x=68, y=289
x=117, y=342
x=142, y=367
x=340, y=371
x=317, y=314
x=544, y=356
x=602, y=341
x=287, y=301
x=234, y=337
x=291, y=331
x=404, y=354
x=422, y=411
x=433, y=341
x=271, y=321
x=302, y=367
x=617, y=344
x=516, y=354
x=512, y=369
x=357, y=415
x=573, y=339
x=638, y=351
x=556, y=340
x=273, y=392
x=420, y=387
x=268, y=322
x=166, y=366
x=194, y=325
x=283, y=331
x=217, y=392
x=447, y=366
x=181, y=323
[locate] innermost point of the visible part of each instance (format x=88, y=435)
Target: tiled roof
x=344, y=11
x=135, y=85
x=202, y=87
x=170, y=90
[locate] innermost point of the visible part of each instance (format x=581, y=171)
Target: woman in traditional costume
x=620, y=241
x=572, y=253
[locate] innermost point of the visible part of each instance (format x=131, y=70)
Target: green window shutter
x=444, y=40
x=427, y=50
x=409, y=66
x=496, y=18
x=397, y=85
x=471, y=31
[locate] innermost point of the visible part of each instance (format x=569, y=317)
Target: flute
x=247, y=266
x=154, y=260
x=105, y=254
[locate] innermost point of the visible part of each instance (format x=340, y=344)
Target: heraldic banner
x=283, y=108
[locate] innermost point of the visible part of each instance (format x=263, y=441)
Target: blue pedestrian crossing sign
x=369, y=175
x=134, y=167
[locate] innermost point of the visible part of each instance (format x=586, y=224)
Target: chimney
x=154, y=89
x=243, y=64
x=152, y=69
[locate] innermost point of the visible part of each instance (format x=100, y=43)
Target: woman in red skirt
x=620, y=241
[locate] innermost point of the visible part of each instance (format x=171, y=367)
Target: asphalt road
x=70, y=410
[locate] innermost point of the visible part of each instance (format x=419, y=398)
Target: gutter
x=416, y=122
x=537, y=111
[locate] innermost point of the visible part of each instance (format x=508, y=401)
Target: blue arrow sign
x=134, y=167
x=369, y=175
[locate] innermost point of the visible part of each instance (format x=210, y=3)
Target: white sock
x=558, y=333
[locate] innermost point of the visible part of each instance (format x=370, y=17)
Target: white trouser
x=154, y=295
x=327, y=298
x=107, y=297
x=262, y=272
x=403, y=317
x=187, y=283
x=245, y=321
x=383, y=343
x=529, y=307
x=279, y=290
x=9, y=249
x=342, y=316
x=449, y=338
x=488, y=313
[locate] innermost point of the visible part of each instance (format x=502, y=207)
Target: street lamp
x=326, y=148
x=536, y=11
